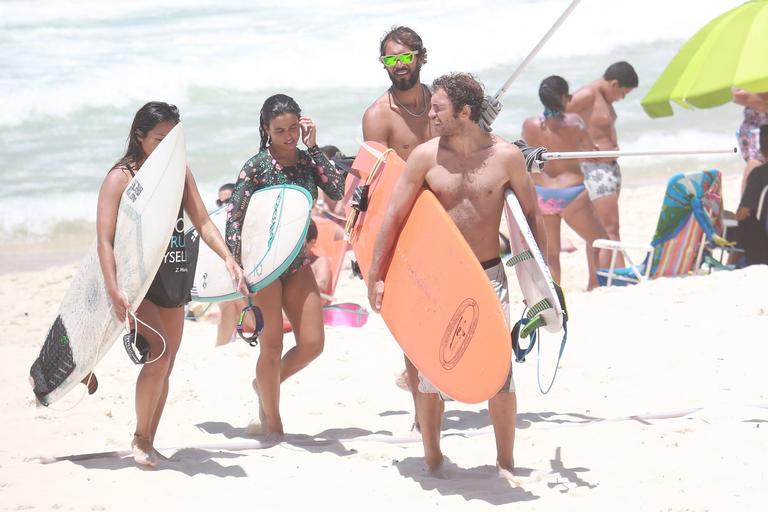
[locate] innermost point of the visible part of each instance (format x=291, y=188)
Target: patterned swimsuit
x=312, y=170
x=748, y=134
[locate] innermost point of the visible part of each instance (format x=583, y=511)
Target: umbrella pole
x=535, y=51
x=569, y=155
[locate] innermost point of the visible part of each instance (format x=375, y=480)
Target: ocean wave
x=60, y=60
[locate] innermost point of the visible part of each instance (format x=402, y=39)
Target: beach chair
x=689, y=222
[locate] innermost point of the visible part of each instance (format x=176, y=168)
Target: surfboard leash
x=360, y=196
x=138, y=340
x=528, y=327
x=258, y=320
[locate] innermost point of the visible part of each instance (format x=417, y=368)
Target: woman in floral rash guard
x=279, y=162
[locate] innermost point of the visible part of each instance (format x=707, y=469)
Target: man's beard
x=404, y=84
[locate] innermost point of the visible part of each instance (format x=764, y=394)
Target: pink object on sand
x=348, y=314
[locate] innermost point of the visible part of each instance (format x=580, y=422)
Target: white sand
x=660, y=404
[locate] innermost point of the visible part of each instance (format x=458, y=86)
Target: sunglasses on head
x=391, y=60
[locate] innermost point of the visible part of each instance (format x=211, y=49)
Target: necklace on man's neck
x=423, y=97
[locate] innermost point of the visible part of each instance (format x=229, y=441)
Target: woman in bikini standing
x=163, y=307
x=279, y=161
x=560, y=187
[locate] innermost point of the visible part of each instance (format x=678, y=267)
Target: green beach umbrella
x=730, y=51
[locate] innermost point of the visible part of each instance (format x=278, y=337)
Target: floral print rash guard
x=312, y=170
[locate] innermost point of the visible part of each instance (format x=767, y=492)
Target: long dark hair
x=273, y=107
x=146, y=118
x=551, y=92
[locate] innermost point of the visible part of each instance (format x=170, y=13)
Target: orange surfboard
x=438, y=302
x=331, y=244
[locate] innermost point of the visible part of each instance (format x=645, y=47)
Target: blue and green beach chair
x=688, y=227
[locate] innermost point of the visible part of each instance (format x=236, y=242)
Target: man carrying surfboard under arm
x=398, y=118
x=468, y=169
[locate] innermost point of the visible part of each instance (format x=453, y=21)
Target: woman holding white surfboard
x=158, y=322
x=560, y=187
x=279, y=162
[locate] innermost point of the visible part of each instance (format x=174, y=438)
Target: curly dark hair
x=462, y=89
x=407, y=37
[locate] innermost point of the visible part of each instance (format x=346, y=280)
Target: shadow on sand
x=480, y=483
x=189, y=461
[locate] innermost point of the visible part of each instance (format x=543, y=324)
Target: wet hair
x=407, y=37
x=622, y=72
x=551, y=92
x=462, y=89
x=311, y=231
x=146, y=118
x=764, y=139
x=274, y=106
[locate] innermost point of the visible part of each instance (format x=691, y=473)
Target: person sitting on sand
x=468, y=169
x=560, y=186
x=755, y=115
x=752, y=232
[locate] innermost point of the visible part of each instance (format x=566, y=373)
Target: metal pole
x=529, y=58
x=567, y=155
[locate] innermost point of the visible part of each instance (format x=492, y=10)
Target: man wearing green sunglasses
x=398, y=118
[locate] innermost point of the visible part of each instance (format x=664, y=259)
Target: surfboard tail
x=54, y=364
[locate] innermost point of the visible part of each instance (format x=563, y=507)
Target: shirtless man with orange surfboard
x=468, y=169
x=398, y=118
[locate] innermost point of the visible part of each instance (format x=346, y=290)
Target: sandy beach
x=660, y=403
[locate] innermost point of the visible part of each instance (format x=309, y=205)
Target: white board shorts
x=498, y=279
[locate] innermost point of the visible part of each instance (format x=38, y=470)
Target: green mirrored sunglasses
x=391, y=60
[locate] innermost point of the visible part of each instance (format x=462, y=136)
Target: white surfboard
x=273, y=233
x=85, y=327
x=532, y=271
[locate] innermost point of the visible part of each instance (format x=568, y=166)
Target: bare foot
x=143, y=452
x=435, y=466
x=262, y=426
x=506, y=472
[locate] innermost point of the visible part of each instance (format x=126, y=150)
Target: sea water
x=73, y=73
